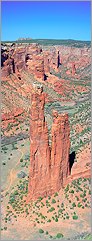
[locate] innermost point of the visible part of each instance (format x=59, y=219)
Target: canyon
x=45, y=138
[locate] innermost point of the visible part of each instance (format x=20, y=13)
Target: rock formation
x=8, y=68
x=73, y=69
x=49, y=167
x=60, y=150
x=19, y=59
x=39, y=61
x=39, y=67
x=46, y=63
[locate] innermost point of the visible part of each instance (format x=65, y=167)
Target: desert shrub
x=59, y=235
x=79, y=205
x=72, y=191
x=56, y=219
x=8, y=207
x=12, y=199
x=56, y=194
x=75, y=217
x=60, y=211
x=41, y=230
x=49, y=220
x=5, y=228
x=51, y=209
x=21, y=160
x=67, y=188
x=84, y=200
x=62, y=205
x=89, y=192
x=42, y=204
x=46, y=232
x=49, y=197
x=51, y=236
x=53, y=201
x=77, y=198
x=4, y=148
x=3, y=163
x=15, y=192
x=40, y=198
x=58, y=206
x=73, y=204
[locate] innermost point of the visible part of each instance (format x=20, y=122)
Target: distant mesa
x=23, y=39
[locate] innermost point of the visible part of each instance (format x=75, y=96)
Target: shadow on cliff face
x=71, y=160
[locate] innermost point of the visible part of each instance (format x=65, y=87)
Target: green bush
x=21, y=160
x=16, y=192
x=49, y=221
x=72, y=191
x=73, y=204
x=4, y=148
x=3, y=163
x=56, y=194
x=5, y=228
x=51, y=209
x=46, y=232
x=59, y=235
x=79, y=205
x=56, y=219
x=40, y=198
x=41, y=230
x=8, y=207
x=75, y=217
x=60, y=210
x=67, y=188
x=51, y=236
x=62, y=205
x=53, y=201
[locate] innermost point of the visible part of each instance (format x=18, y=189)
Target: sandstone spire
x=49, y=167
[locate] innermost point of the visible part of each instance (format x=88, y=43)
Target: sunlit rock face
x=49, y=166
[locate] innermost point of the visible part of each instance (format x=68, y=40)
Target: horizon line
x=29, y=38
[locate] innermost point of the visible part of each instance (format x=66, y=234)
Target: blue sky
x=49, y=20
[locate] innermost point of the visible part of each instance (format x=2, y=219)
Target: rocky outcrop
x=11, y=115
x=41, y=61
x=46, y=63
x=73, y=69
x=59, y=150
x=7, y=68
x=19, y=59
x=49, y=166
x=39, y=67
x=39, y=175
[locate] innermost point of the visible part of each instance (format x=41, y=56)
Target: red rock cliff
x=60, y=150
x=39, y=148
x=49, y=167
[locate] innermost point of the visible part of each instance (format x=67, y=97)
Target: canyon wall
x=40, y=61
